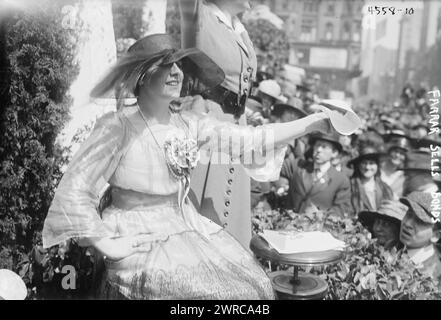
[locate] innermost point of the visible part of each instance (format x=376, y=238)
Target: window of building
x=330, y=9
x=346, y=31
x=348, y=8
x=329, y=31
x=310, y=6
x=356, y=36
x=307, y=31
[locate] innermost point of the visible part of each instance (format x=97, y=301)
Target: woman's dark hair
x=191, y=85
x=147, y=75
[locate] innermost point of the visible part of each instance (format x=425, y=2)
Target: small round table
x=298, y=285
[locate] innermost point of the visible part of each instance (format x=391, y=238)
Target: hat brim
x=337, y=144
x=278, y=98
x=194, y=62
x=388, y=136
x=376, y=156
x=419, y=211
x=367, y=218
x=286, y=105
x=199, y=64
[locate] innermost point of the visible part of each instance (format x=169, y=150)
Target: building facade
x=398, y=49
x=325, y=39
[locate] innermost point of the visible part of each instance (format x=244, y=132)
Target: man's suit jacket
x=332, y=196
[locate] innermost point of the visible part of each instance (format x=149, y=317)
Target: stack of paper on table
x=289, y=242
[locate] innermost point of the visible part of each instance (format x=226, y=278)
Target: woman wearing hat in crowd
x=367, y=188
x=399, y=145
x=156, y=245
x=385, y=222
x=270, y=93
x=213, y=27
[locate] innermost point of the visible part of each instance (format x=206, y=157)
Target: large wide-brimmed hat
x=389, y=209
x=420, y=203
x=12, y=287
x=367, y=152
x=132, y=66
x=425, y=144
x=279, y=108
x=332, y=137
x=419, y=160
x=271, y=88
x=399, y=140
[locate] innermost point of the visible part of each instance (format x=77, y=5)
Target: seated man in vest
x=418, y=233
x=317, y=185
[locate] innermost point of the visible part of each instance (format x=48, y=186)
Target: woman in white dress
x=156, y=245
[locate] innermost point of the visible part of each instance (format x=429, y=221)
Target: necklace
x=148, y=127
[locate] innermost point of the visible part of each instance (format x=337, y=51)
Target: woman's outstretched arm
x=261, y=149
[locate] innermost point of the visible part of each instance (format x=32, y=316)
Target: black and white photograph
x=220, y=150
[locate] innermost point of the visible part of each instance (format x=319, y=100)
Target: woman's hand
x=122, y=247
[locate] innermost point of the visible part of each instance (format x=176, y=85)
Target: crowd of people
x=179, y=228
x=386, y=174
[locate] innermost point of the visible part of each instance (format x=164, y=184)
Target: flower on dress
x=182, y=156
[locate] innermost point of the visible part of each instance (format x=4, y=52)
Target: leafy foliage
x=43, y=271
x=37, y=67
x=368, y=271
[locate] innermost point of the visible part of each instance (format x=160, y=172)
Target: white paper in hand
x=289, y=242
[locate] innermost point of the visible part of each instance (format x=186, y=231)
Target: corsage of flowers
x=182, y=156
